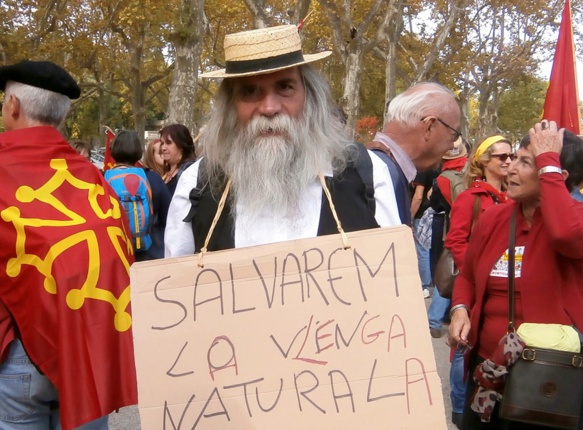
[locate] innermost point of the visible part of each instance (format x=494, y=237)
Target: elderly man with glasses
x=421, y=125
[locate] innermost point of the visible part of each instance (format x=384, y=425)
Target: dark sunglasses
x=504, y=157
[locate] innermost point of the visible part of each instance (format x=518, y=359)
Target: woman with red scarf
x=486, y=180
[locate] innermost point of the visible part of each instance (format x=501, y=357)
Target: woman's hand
x=459, y=328
x=546, y=137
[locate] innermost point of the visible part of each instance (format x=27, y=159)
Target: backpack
x=456, y=182
x=135, y=195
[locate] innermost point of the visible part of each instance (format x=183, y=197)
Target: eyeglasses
x=457, y=134
x=504, y=157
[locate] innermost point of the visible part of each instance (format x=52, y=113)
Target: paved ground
x=129, y=419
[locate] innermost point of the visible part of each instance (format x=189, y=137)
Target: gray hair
x=425, y=98
x=319, y=116
x=39, y=105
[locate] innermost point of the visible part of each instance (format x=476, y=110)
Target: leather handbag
x=544, y=386
x=445, y=269
x=445, y=274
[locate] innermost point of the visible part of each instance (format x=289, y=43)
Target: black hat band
x=247, y=66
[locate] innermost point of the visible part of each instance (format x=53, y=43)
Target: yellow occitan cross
x=75, y=297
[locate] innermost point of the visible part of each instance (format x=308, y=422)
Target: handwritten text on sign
x=299, y=334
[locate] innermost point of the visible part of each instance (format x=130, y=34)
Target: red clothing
x=7, y=333
x=495, y=311
x=461, y=217
x=552, y=266
x=64, y=273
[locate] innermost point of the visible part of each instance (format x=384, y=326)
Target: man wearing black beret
x=65, y=322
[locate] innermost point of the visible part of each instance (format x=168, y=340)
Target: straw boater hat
x=262, y=51
x=459, y=150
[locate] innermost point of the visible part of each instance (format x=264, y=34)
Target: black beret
x=40, y=74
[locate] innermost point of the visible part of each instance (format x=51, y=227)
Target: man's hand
x=545, y=137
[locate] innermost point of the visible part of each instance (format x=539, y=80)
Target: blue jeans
x=457, y=384
x=29, y=401
x=437, y=309
x=422, y=259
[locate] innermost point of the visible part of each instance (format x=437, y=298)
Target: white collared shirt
x=401, y=156
x=270, y=227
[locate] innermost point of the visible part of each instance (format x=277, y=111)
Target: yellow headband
x=486, y=144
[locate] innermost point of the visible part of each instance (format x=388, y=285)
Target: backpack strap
x=352, y=192
x=203, y=207
x=197, y=192
x=363, y=166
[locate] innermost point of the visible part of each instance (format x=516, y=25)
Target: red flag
x=65, y=253
x=108, y=161
x=562, y=100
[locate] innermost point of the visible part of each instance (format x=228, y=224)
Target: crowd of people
x=282, y=162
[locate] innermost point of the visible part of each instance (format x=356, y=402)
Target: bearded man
x=273, y=142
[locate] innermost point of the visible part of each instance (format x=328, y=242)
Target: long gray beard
x=273, y=170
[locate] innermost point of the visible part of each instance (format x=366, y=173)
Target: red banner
x=562, y=100
x=108, y=161
x=64, y=272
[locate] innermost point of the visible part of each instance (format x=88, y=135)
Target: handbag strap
x=511, y=259
x=475, y=212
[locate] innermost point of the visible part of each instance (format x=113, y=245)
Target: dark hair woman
x=177, y=151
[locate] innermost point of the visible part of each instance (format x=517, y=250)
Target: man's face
x=440, y=135
x=269, y=95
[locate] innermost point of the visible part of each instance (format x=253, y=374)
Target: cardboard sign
x=293, y=335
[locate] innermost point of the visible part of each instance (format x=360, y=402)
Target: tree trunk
x=394, y=35
x=188, y=46
x=391, y=74
x=137, y=96
x=455, y=9
x=464, y=100
x=483, y=112
x=256, y=7
x=181, y=101
x=104, y=102
x=352, y=82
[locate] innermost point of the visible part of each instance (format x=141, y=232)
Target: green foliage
x=121, y=53
x=521, y=106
